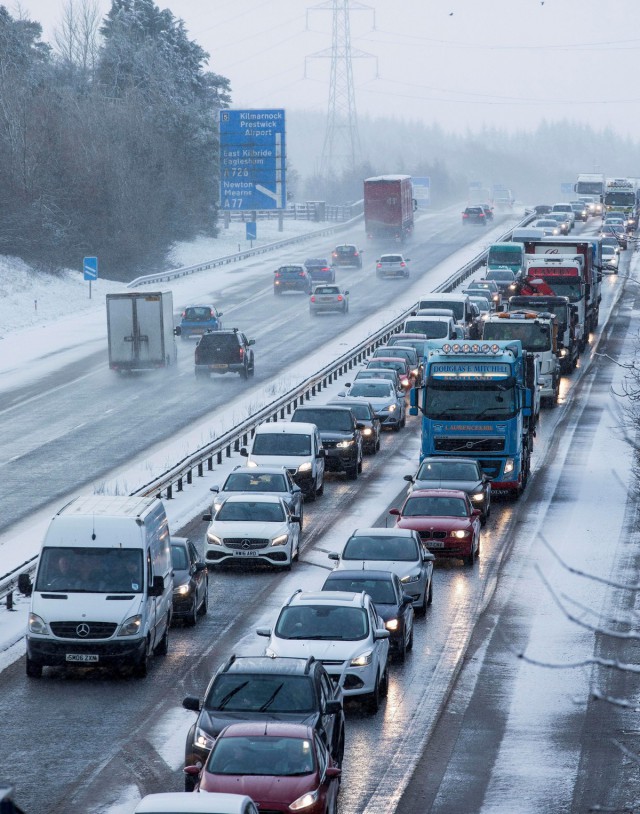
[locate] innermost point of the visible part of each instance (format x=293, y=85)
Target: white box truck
x=141, y=331
x=103, y=588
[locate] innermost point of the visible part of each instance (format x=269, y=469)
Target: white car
x=343, y=631
x=256, y=527
x=178, y=802
x=610, y=259
x=392, y=265
x=400, y=551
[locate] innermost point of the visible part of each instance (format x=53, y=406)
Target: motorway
x=99, y=742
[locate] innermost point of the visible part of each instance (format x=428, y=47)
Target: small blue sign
x=252, y=230
x=90, y=266
x=422, y=191
x=252, y=159
x=566, y=189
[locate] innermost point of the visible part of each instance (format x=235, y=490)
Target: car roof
x=445, y=297
x=261, y=469
x=390, y=255
x=267, y=664
x=437, y=493
x=342, y=598
x=182, y=801
x=253, y=497
x=446, y=459
x=428, y=318
x=267, y=728
x=286, y=427
x=352, y=402
x=393, y=531
x=388, y=359
x=352, y=573
x=321, y=407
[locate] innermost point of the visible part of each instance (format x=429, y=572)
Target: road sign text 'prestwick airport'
x=252, y=159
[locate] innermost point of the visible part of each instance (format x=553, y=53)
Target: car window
x=391, y=258
x=380, y=590
x=378, y=390
x=281, y=443
x=445, y=470
x=197, y=314
x=322, y=755
x=179, y=557
x=251, y=511
x=326, y=686
x=327, y=622
x=326, y=289
x=241, y=692
x=365, y=547
x=360, y=411
x=261, y=755
x=434, y=507
x=339, y=420
x=258, y=482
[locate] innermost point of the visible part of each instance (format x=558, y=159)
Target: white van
x=458, y=303
x=103, y=586
x=183, y=802
x=294, y=445
x=431, y=327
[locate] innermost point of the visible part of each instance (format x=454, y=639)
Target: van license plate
x=245, y=553
x=219, y=367
x=84, y=657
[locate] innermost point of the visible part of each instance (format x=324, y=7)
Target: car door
x=380, y=646
x=405, y=609
x=197, y=576
x=319, y=460
x=329, y=722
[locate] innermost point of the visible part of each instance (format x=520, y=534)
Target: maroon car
x=447, y=523
x=283, y=767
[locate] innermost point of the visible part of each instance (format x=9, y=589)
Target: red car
x=446, y=521
x=282, y=767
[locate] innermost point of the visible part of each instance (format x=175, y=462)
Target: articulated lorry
x=590, y=188
x=620, y=195
x=476, y=401
x=566, y=319
x=389, y=206
x=141, y=332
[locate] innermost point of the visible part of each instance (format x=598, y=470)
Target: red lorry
x=389, y=206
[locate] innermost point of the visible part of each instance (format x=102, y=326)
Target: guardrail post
x=190, y=477
x=179, y=486
x=10, y=600
x=228, y=450
x=236, y=445
x=169, y=491
x=282, y=413
x=200, y=470
x=219, y=457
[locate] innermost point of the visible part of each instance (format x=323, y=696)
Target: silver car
x=455, y=473
x=385, y=399
x=400, y=551
x=263, y=479
x=392, y=265
x=328, y=297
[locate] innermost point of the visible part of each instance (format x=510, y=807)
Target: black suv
x=340, y=434
x=346, y=255
x=292, y=278
x=224, y=352
x=261, y=688
x=474, y=214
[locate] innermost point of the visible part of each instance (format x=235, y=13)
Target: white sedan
x=257, y=528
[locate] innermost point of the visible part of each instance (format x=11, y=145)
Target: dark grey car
x=190, y=581
x=455, y=473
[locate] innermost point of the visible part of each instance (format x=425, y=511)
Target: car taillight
x=242, y=353
x=402, y=265
x=277, y=273
x=355, y=254
x=301, y=274
x=313, y=298
x=184, y=314
x=339, y=297
x=379, y=265
x=481, y=215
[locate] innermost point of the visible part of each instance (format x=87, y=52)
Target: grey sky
x=461, y=63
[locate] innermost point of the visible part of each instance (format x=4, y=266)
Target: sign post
x=90, y=266
x=422, y=191
x=252, y=160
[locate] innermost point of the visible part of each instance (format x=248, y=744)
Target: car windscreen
x=448, y=470
x=381, y=364
x=197, y=314
x=533, y=335
x=434, y=507
x=376, y=373
x=452, y=305
x=250, y=511
x=365, y=547
x=325, y=419
x=430, y=328
x=503, y=276
x=261, y=756
x=505, y=256
x=242, y=692
x=329, y=622
x=380, y=590
x=361, y=411
x=179, y=558
x=281, y=443
x=374, y=390
x=258, y=482
x=90, y=570
x=326, y=290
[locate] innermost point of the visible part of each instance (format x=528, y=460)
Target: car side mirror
x=333, y=555
x=296, y=489
x=295, y=518
x=409, y=478
x=251, y=342
x=25, y=586
x=200, y=567
x=406, y=599
x=360, y=426
x=381, y=634
x=321, y=453
x=428, y=557
x=346, y=293
x=244, y=452
x=476, y=512
x=395, y=512
x=333, y=707
x=192, y=771
x=157, y=587
x=192, y=703
x=264, y=631
x=333, y=771
x=207, y=517
x=177, y=331
x=214, y=488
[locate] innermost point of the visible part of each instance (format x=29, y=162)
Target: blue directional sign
x=252, y=160
x=252, y=230
x=422, y=191
x=90, y=266
x=566, y=188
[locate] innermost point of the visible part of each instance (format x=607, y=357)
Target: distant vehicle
x=328, y=297
x=347, y=255
x=392, y=265
x=488, y=211
x=542, y=209
x=291, y=278
x=224, y=352
x=564, y=224
x=504, y=279
x=190, y=581
x=198, y=319
x=486, y=288
x=474, y=214
x=549, y=226
x=340, y=434
x=385, y=399
x=615, y=230
x=320, y=270
x=140, y=331
x=508, y=255
x=432, y=327
x=580, y=209
x=397, y=363
x=610, y=259
x=388, y=207
x=483, y=304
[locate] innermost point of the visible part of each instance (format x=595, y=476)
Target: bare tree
x=76, y=38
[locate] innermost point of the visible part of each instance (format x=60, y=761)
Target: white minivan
x=103, y=586
x=182, y=802
x=297, y=446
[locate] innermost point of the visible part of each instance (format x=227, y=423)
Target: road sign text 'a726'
x=252, y=159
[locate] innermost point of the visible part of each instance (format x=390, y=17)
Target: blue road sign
x=566, y=189
x=422, y=191
x=252, y=230
x=252, y=160
x=90, y=266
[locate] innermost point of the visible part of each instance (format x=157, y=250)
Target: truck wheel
x=162, y=648
x=33, y=670
x=352, y=472
x=141, y=669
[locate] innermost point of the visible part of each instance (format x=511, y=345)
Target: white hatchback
x=343, y=631
x=254, y=528
x=189, y=803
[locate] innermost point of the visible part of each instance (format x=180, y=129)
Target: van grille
x=459, y=444
x=97, y=630
x=247, y=543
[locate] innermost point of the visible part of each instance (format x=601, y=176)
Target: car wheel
x=404, y=420
x=378, y=444
x=396, y=427
x=430, y=594
x=373, y=701
x=162, y=648
x=410, y=642
x=34, y=670
x=192, y=618
x=471, y=559
x=277, y=292
x=320, y=489
x=244, y=374
x=384, y=684
x=141, y=670
x=204, y=606
x=189, y=783
x=402, y=648
x=352, y=472
x=252, y=367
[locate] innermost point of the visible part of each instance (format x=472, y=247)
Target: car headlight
x=182, y=590
x=391, y=408
x=415, y=371
x=460, y=534
x=203, y=740
x=270, y=653
x=251, y=463
x=305, y=467
x=478, y=497
x=38, y=625
x=508, y=467
x=280, y=539
x=363, y=660
x=216, y=506
x=410, y=578
x=496, y=297
x=345, y=444
x=563, y=352
x=404, y=381
x=131, y=626
x=213, y=540
x=391, y=624
x=305, y=801
x=367, y=431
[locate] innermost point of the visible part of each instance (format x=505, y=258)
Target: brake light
x=402, y=265
x=464, y=215
x=379, y=265
x=355, y=254
x=242, y=353
x=313, y=298
x=277, y=273
x=481, y=215
x=339, y=297
x=184, y=314
x=301, y=274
